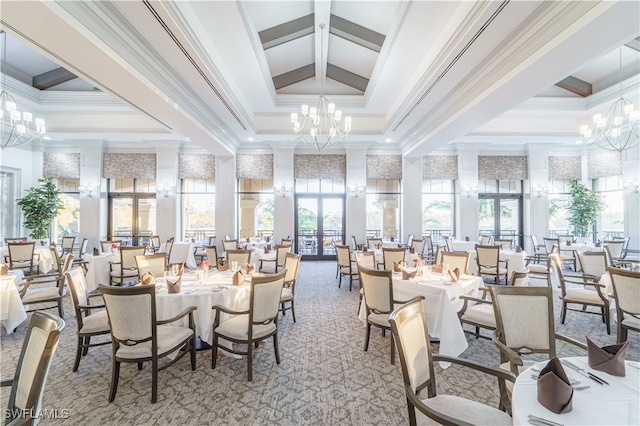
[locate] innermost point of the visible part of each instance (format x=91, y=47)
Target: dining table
x=41, y=253
x=99, y=269
x=441, y=303
x=182, y=252
x=12, y=311
x=614, y=403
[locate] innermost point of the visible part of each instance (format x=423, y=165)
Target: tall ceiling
x=224, y=76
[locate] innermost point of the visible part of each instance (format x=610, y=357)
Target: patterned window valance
x=440, y=167
x=565, y=168
x=384, y=167
x=61, y=165
x=604, y=164
x=503, y=167
x=129, y=166
x=320, y=166
x=196, y=166
x=254, y=166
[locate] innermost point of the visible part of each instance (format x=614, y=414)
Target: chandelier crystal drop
x=619, y=130
x=17, y=127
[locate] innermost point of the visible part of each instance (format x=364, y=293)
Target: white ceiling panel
x=374, y=15
x=311, y=85
x=268, y=14
x=290, y=56
x=351, y=57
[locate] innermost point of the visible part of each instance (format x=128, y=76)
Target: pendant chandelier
x=619, y=130
x=320, y=123
x=17, y=127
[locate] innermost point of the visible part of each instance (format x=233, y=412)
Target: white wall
x=225, y=198
x=355, y=207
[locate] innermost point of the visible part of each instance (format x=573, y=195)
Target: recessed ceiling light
x=46, y=138
x=250, y=139
x=578, y=142
x=387, y=140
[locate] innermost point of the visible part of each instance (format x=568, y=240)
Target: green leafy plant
x=40, y=206
x=584, y=205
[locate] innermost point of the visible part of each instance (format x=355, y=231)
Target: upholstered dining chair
x=504, y=244
x=541, y=266
x=427, y=248
x=79, y=259
x=626, y=290
x=373, y=243
x=91, y=320
x=449, y=243
x=614, y=250
x=168, y=246
x=286, y=242
x=378, y=296
x=138, y=336
x=27, y=386
x=583, y=290
x=539, y=251
x=291, y=265
x=417, y=246
x=66, y=246
x=411, y=334
x=346, y=265
x=519, y=279
x=354, y=243
x=455, y=260
x=241, y=256
x=106, y=246
x=390, y=255
x=478, y=313
x=272, y=265
x=488, y=261
x=566, y=253
x=516, y=338
x=126, y=269
x=156, y=263
x=230, y=245
x=253, y=325
x=485, y=240
x=154, y=243
x=21, y=256
x=36, y=290
x=365, y=259
x=593, y=263
x=212, y=255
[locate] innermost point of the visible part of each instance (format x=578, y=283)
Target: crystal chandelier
x=16, y=127
x=320, y=123
x=619, y=129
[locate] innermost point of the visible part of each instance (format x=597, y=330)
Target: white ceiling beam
x=322, y=11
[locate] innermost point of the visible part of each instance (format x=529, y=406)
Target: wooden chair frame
x=628, y=306
x=291, y=265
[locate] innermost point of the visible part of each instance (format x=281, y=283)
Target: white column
x=411, y=197
x=467, y=212
x=356, y=206
x=536, y=202
x=94, y=207
x=226, y=206
x=631, y=178
x=167, y=217
x=283, y=178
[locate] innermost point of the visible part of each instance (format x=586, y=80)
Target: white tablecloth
x=613, y=404
x=441, y=303
x=182, y=252
x=98, y=270
x=459, y=245
x=12, y=311
x=45, y=260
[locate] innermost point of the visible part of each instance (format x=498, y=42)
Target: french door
x=500, y=215
x=132, y=218
x=319, y=225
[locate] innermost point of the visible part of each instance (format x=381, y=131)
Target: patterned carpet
x=325, y=376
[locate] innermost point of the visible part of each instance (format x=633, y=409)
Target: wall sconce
x=282, y=190
x=631, y=186
x=541, y=190
x=87, y=190
x=164, y=191
x=356, y=191
x=471, y=190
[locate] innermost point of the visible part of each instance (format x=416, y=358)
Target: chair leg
x=193, y=352
x=249, y=361
x=564, y=312
x=276, y=348
x=154, y=380
x=340, y=280
x=60, y=308
x=606, y=317
x=293, y=311
x=214, y=351
x=350, y=281
x=393, y=351
x=87, y=342
x=78, y=353
x=366, y=337
x=115, y=374
x=623, y=335
x=140, y=366
x=477, y=332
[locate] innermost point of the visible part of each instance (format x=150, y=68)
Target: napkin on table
x=397, y=266
x=4, y=269
x=609, y=359
x=96, y=252
x=266, y=249
x=251, y=268
x=406, y=275
x=174, y=287
x=222, y=265
x=238, y=278
x=555, y=392
x=518, y=249
x=148, y=278
x=454, y=275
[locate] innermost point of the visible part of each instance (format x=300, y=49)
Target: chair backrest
x=455, y=260
x=37, y=352
x=519, y=279
x=212, y=255
x=83, y=247
x=68, y=242
x=55, y=265
x=524, y=318
x=230, y=245
x=286, y=242
x=167, y=248
x=79, y=295
x=487, y=256
x=265, y=298
x=354, y=243
x=373, y=242
x=343, y=255
x=21, y=252
x=485, y=240
x=534, y=241
x=410, y=240
x=438, y=255
x=626, y=290
x=378, y=290
x=106, y=246
x=449, y=242
x=504, y=244
x=593, y=262
x=390, y=255
x=411, y=335
x=241, y=256
x=154, y=242
x=428, y=245
x=291, y=264
x=128, y=256
x=366, y=259
x=156, y=263
x=614, y=249
x=417, y=246
x=549, y=243
x=281, y=254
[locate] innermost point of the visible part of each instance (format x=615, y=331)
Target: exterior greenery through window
x=383, y=208
x=67, y=222
x=558, y=200
x=438, y=208
x=611, y=191
x=307, y=217
x=255, y=198
x=198, y=208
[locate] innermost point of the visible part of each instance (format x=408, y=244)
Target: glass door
x=132, y=218
x=500, y=216
x=319, y=224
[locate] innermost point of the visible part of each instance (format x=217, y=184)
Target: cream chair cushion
x=168, y=337
x=238, y=328
x=501, y=271
x=286, y=295
x=36, y=295
x=481, y=313
x=94, y=323
x=583, y=295
x=463, y=409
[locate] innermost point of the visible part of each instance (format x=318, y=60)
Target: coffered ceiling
x=224, y=76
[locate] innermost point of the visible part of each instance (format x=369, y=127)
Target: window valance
x=61, y=165
x=254, y=166
x=384, y=167
x=320, y=166
x=499, y=167
x=196, y=166
x=440, y=167
x=129, y=166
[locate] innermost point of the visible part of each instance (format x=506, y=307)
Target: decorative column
x=93, y=201
x=536, y=206
x=356, y=192
x=167, y=223
x=411, y=197
x=467, y=192
x=283, y=181
x=226, y=210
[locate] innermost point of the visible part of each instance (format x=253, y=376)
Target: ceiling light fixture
x=619, y=129
x=16, y=127
x=320, y=123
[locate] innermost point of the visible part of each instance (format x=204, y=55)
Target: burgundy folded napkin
x=359, y=247
x=412, y=250
x=391, y=239
x=555, y=392
x=96, y=252
x=251, y=268
x=609, y=359
x=599, y=243
x=466, y=238
x=4, y=269
x=267, y=239
x=397, y=266
x=436, y=268
x=222, y=265
x=238, y=278
x=248, y=240
x=568, y=242
x=147, y=278
x=406, y=275
x=454, y=275
x=174, y=287
x=518, y=249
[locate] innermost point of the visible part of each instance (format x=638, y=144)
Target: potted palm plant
x=40, y=206
x=584, y=205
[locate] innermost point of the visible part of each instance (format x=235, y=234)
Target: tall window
x=558, y=214
x=198, y=209
x=255, y=198
x=383, y=208
x=67, y=222
x=438, y=208
x=611, y=223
